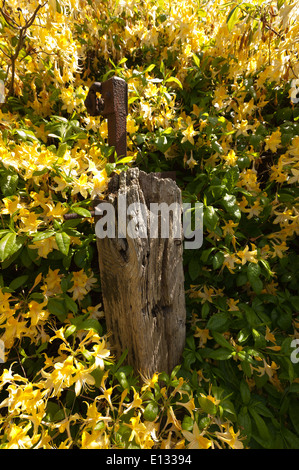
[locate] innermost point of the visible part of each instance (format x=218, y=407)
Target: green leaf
x=176, y=80
x=18, y=282
x=244, y=421
x=218, y=259
x=61, y=150
x=294, y=414
x=63, y=242
x=57, y=307
x=210, y=217
x=7, y=245
x=43, y=235
x=151, y=411
x=232, y=18
x=253, y=273
x=81, y=211
x=218, y=322
x=220, y=354
x=217, y=147
x=9, y=183
x=194, y=269
x=245, y=392
x=207, y=405
x=261, y=426
x=230, y=205
x=70, y=304
x=219, y=338
x=90, y=324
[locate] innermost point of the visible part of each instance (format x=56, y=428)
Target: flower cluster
x=211, y=95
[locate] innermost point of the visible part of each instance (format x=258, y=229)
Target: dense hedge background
x=213, y=96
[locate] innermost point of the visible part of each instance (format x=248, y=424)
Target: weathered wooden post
x=141, y=265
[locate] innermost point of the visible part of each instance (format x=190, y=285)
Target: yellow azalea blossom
x=52, y=283
x=230, y=437
x=229, y=261
x=132, y=128
x=203, y=335
x=81, y=185
x=269, y=336
x=231, y=158
x=11, y=205
x=196, y=439
x=279, y=249
x=138, y=429
x=83, y=378
x=255, y=210
x=273, y=141
x=191, y=162
x=247, y=256
x=95, y=440
x=45, y=246
x=136, y=403
x=295, y=178
x=232, y=304
x=100, y=353
x=17, y=437
x=149, y=382
x=189, y=405
x=99, y=183
x=56, y=211
x=228, y=228
x=36, y=313
x=189, y=131
x=205, y=294
x=81, y=284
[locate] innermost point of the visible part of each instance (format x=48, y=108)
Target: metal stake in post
x=113, y=104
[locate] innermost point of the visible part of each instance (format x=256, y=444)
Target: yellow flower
x=99, y=182
x=269, y=336
x=203, y=335
x=279, y=250
x=30, y=222
x=83, y=378
x=45, y=246
x=11, y=205
x=255, y=210
x=228, y=227
x=100, y=353
x=36, y=312
x=95, y=440
x=273, y=141
x=191, y=162
x=232, y=304
x=189, y=405
x=295, y=177
x=136, y=403
x=230, y=437
x=52, y=283
x=81, y=185
x=196, y=440
x=246, y=255
x=132, y=128
x=229, y=261
x=231, y=158
x=189, y=132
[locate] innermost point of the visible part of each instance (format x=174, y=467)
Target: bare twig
x=21, y=40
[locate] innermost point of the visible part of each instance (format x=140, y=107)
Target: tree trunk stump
x=142, y=279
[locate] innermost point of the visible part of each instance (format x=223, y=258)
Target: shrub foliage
x=212, y=95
